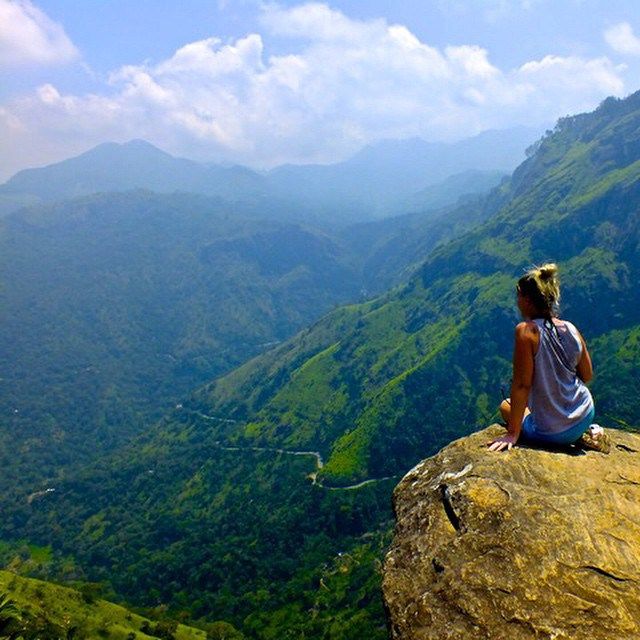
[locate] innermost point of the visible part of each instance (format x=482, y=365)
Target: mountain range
x=263, y=498
x=379, y=180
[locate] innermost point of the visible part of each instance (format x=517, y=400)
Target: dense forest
x=263, y=498
x=113, y=307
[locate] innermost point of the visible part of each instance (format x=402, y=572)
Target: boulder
x=525, y=544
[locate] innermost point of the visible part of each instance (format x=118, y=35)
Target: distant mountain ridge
x=133, y=165
x=382, y=173
x=375, y=182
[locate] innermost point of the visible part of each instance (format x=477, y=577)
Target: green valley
x=114, y=306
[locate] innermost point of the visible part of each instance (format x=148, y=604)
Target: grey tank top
x=558, y=398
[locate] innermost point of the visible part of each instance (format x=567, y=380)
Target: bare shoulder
x=526, y=330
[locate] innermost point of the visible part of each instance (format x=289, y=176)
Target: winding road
x=315, y=454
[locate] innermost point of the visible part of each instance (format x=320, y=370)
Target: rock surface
x=526, y=544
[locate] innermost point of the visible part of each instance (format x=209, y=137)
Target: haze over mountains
x=264, y=496
x=377, y=181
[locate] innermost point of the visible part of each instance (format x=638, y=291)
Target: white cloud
x=28, y=36
x=318, y=22
x=472, y=61
x=621, y=38
x=490, y=11
x=574, y=76
x=343, y=83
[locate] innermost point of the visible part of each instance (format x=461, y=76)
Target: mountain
x=264, y=497
x=379, y=180
x=382, y=178
x=397, y=362
x=390, y=250
x=133, y=165
x=459, y=185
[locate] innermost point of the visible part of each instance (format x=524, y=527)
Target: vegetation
x=112, y=307
x=212, y=531
x=10, y=618
x=38, y=610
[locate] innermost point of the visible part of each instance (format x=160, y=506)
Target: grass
x=67, y=608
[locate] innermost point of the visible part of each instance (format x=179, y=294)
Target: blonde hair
x=542, y=286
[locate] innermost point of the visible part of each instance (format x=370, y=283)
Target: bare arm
x=526, y=342
x=584, y=368
x=523, y=352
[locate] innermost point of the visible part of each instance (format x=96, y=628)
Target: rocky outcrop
x=527, y=544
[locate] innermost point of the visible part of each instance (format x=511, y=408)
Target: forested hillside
x=37, y=610
x=423, y=364
x=264, y=499
x=114, y=306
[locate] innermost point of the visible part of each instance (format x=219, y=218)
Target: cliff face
x=527, y=544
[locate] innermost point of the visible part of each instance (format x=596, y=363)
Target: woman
x=549, y=401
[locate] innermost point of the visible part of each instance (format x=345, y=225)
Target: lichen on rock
x=530, y=543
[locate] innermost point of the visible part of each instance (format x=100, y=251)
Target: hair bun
x=541, y=286
x=548, y=271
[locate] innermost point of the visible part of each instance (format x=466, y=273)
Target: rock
x=524, y=544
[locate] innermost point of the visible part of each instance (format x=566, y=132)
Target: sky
x=264, y=83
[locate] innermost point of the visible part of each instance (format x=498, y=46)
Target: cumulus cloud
x=29, y=36
x=343, y=83
x=572, y=83
x=621, y=38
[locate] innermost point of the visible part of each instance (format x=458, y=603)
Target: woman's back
x=558, y=398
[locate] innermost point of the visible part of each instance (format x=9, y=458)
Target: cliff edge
x=527, y=544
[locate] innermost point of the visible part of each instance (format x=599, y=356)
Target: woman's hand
x=500, y=444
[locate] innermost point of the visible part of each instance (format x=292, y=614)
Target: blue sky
x=266, y=83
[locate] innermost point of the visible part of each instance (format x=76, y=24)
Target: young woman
x=549, y=400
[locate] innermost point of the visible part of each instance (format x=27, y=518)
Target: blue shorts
x=564, y=437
